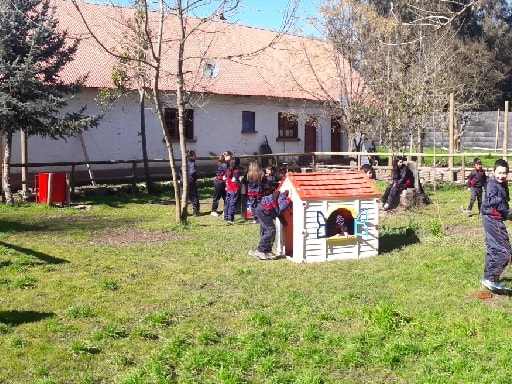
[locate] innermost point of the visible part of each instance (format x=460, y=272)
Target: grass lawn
x=118, y=293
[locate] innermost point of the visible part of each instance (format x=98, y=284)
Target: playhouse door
x=288, y=231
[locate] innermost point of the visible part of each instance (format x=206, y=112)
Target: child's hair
x=191, y=154
x=222, y=157
x=254, y=172
x=501, y=163
x=477, y=161
x=234, y=163
x=368, y=168
x=271, y=168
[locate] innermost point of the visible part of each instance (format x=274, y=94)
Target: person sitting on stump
x=402, y=179
x=270, y=207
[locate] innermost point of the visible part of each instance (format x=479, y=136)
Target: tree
x=131, y=72
x=186, y=31
x=32, y=53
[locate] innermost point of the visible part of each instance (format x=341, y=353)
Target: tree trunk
x=147, y=175
x=6, y=174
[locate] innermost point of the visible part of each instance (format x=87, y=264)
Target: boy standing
x=476, y=183
x=495, y=210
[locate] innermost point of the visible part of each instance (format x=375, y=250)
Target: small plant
x=82, y=347
x=17, y=341
x=436, y=228
x=166, y=318
x=26, y=282
x=80, y=312
x=110, y=285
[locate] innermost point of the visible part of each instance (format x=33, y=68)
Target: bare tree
x=189, y=64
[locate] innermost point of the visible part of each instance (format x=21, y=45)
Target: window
x=248, y=121
x=288, y=126
x=171, y=123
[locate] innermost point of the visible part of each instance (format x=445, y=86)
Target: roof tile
x=333, y=185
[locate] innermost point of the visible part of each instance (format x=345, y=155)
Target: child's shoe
x=214, y=214
x=492, y=285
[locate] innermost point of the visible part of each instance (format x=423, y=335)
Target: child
x=270, y=207
x=476, y=183
x=254, y=187
x=233, y=186
x=193, y=196
x=269, y=180
x=219, y=182
x=370, y=172
x=402, y=179
x=495, y=210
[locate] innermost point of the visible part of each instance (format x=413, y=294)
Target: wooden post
x=50, y=189
x=24, y=156
x=497, y=132
x=505, y=132
x=451, y=137
x=68, y=191
x=134, y=177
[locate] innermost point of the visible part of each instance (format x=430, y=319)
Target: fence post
x=134, y=177
x=505, y=132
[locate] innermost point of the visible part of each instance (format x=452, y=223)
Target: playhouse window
x=340, y=223
x=171, y=123
x=288, y=125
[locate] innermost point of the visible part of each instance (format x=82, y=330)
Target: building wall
x=217, y=128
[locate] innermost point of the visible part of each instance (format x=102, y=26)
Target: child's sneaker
x=214, y=214
x=492, y=285
x=270, y=256
x=259, y=255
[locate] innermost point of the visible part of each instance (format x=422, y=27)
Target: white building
x=247, y=85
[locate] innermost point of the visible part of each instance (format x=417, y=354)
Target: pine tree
x=32, y=53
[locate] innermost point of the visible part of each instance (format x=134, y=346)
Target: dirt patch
x=134, y=236
x=464, y=230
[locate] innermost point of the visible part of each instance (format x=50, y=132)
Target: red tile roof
x=280, y=71
x=333, y=185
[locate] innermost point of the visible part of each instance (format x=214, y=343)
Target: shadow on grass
x=397, y=238
x=30, y=252
x=15, y=318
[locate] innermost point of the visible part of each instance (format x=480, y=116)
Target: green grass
x=487, y=157
x=193, y=307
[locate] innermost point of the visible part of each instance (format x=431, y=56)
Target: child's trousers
x=498, y=247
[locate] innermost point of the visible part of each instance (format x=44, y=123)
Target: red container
x=58, y=188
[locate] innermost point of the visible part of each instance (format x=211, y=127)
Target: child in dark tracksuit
x=402, y=179
x=233, y=186
x=219, y=182
x=495, y=210
x=193, y=195
x=270, y=207
x=476, y=183
x=254, y=179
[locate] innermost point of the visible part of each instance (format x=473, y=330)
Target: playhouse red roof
x=332, y=185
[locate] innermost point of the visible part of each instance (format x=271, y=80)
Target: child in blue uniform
x=495, y=210
x=219, y=182
x=233, y=186
x=476, y=183
x=193, y=195
x=254, y=180
x=270, y=207
x=402, y=179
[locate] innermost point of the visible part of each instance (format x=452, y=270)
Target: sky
x=266, y=14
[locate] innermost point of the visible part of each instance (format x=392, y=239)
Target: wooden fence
x=131, y=171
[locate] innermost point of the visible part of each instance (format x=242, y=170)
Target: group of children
x=228, y=183
x=266, y=203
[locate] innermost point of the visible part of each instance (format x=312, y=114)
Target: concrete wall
x=480, y=132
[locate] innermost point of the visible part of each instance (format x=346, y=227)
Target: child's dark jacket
x=496, y=200
x=275, y=208
x=477, y=179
